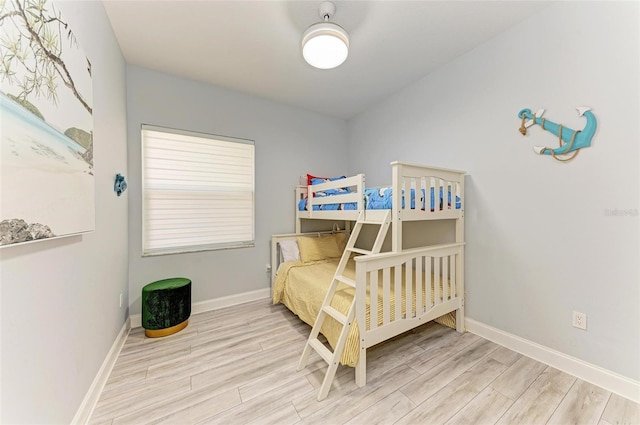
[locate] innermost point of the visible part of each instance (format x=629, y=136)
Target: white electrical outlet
x=579, y=320
x=120, y=300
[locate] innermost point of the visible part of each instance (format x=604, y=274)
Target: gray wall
x=60, y=309
x=289, y=142
x=539, y=243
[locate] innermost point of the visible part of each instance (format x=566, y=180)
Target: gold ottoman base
x=155, y=333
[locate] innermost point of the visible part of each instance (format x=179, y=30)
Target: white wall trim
x=611, y=381
x=93, y=394
x=216, y=303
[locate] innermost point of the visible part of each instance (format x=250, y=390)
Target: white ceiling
x=254, y=46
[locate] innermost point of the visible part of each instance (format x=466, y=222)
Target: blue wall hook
x=120, y=185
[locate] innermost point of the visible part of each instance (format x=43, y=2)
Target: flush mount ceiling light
x=325, y=45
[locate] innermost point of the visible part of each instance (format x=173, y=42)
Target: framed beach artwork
x=47, y=185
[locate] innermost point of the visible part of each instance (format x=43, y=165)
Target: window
x=197, y=191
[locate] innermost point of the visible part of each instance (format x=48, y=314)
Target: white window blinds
x=198, y=191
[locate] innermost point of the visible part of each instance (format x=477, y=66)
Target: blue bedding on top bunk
x=379, y=199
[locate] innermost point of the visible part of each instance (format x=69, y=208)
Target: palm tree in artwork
x=35, y=44
x=34, y=39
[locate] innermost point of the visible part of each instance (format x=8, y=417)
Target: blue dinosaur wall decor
x=570, y=141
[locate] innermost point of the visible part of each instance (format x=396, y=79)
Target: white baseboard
x=216, y=303
x=93, y=394
x=610, y=381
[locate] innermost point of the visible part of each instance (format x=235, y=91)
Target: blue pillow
x=329, y=192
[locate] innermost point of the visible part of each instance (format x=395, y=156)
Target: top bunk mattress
x=381, y=199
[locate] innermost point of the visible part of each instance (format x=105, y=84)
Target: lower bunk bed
x=435, y=290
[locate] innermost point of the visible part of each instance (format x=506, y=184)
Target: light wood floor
x=237, y=366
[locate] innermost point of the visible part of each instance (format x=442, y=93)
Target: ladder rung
x=360, y=251
x=335, y=314
x=322, y=350
x=378, y=222
x=346, y=280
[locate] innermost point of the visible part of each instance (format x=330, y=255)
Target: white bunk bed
x=427, y=281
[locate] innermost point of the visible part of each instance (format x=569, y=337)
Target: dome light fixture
x=325, y=45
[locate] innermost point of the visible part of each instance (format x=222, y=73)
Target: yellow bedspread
x=302, y=287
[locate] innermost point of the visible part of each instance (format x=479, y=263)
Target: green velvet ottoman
x=166, y=306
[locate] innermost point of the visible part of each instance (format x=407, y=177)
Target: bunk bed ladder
x=333, y=357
